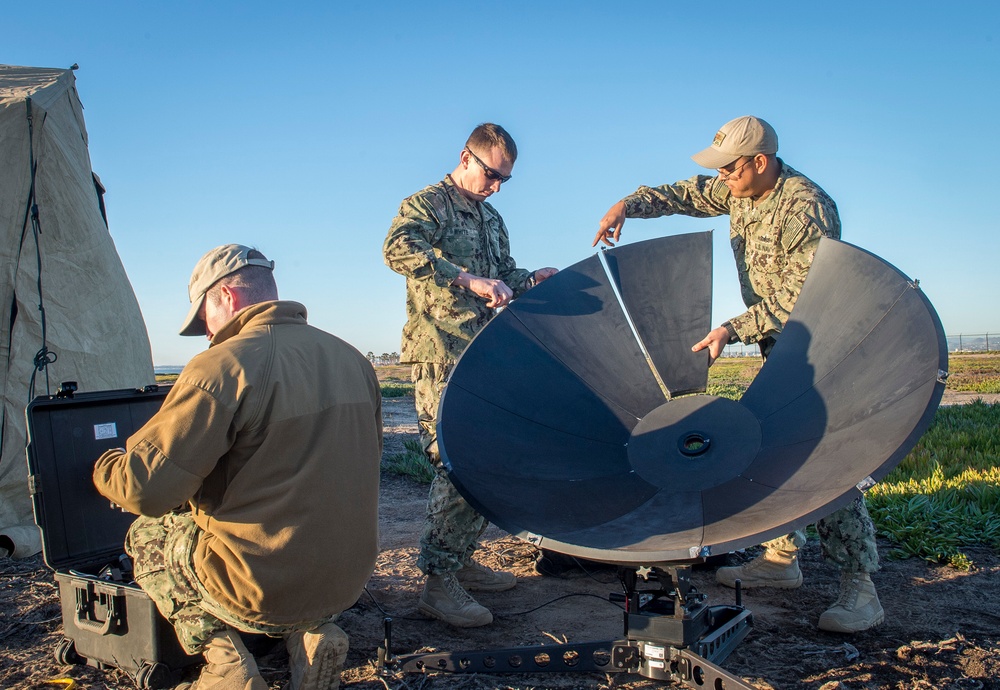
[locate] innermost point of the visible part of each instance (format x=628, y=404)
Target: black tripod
x=670, y=634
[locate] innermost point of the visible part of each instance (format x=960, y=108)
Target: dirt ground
x=942, y=629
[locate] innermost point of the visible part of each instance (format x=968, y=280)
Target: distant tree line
x=383, y=359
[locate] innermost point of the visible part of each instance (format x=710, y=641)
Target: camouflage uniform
x=774, y=243
x=437, y=234
x=161, y=551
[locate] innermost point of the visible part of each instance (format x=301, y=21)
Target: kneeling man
x=256, y=483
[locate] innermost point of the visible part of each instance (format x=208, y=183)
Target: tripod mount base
x=672, y=636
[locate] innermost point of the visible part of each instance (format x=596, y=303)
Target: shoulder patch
x=720, y=192
x=792, y=231
x=442, y=204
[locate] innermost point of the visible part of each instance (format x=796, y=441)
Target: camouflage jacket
x=774, y=242
x=437, y=234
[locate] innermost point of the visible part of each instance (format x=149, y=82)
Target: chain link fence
x=961, y=342
x=740, y=350
x=974, y=342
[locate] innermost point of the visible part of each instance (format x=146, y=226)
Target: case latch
x=66, y=389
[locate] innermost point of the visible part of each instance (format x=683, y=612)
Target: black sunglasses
x=491, y=174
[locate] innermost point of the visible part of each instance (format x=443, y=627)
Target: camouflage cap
x=744, y=136
x=212, y=268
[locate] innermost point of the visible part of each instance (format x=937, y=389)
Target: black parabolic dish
x=577, y=419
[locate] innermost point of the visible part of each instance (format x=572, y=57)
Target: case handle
x=86, y=598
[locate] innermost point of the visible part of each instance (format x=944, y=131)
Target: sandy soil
x=963, y=397
x=942, y=628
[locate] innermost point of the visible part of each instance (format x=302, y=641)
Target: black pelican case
x=108, y=621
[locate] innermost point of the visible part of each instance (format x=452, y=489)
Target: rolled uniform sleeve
x=164, y=464
x=701, y=196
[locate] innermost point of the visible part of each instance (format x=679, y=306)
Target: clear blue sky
x=298, y=127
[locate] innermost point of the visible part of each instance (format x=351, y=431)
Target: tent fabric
x=64, y=294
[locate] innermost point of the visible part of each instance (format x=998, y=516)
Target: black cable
x=43, y=358
x=592, y=574
x=564, y=596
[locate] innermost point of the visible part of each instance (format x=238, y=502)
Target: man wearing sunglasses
x=776, y=218
x=453, y=248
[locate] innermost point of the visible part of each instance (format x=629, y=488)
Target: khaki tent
x=67, y=310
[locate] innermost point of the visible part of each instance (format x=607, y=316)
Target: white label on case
x=109, y=430
x=653, y=652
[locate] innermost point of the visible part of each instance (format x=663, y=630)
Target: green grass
x=730, y=377
x=410, y=463
x=396, y=389
x=978, y=373
x=733, y=391
x=945, y=495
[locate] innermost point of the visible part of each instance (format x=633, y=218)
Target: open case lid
x=66, y=434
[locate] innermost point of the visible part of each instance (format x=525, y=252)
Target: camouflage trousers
x=162, y=557
x=846, y=537
x=451, y=527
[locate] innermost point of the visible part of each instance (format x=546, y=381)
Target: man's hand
x=544, y=273
x=717, y=339
x=493, y=290
x=611, y=225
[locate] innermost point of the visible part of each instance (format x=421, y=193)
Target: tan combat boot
x=316, y=657
x=856, y=609
x=228, y=666
x=774, y=568
x=443, y=598
x=476, y=577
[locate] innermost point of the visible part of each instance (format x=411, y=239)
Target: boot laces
x=456, y=591
x=850, y=587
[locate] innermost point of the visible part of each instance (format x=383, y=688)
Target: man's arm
x=164, y=463
x=700, y=197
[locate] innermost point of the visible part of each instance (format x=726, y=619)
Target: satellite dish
x=577, y=418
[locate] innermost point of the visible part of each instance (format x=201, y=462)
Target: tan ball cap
x=744, y=136
x=209, y=270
